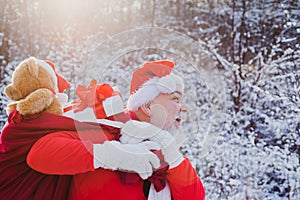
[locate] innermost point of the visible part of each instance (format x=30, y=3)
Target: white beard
x=178, y=135
x=173, y=130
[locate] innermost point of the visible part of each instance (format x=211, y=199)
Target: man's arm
x=67, y=153
x=61, y=153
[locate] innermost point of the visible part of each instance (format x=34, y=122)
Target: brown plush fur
x=31, y=89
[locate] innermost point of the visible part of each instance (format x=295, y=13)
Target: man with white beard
x=156, y=107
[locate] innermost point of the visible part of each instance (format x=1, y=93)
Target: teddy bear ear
x=12, y=93
x=33, y=67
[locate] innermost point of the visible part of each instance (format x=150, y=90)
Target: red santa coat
x=70, y=152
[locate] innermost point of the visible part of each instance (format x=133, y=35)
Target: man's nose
x=183, y=108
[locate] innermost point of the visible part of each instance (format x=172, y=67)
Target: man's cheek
x=158, y=115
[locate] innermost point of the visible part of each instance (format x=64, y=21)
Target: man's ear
x=146, y=109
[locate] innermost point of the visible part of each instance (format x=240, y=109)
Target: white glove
x=127, y=157
x=135, y=131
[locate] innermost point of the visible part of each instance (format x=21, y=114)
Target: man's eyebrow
x=177, y=92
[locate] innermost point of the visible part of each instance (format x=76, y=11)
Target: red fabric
x=18, y=180
x=184, y=182
x=106, y=185
x=159, y=178
x=148, y=71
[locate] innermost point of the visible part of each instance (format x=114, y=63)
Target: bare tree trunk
x=178, y=7
x=233, y=31
x=241, y=39
x=237, y=91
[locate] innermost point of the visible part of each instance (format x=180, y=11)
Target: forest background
x=240, y=60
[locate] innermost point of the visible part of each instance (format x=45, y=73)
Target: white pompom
x=62, y=98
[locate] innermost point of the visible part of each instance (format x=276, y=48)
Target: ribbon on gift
x=104, y=100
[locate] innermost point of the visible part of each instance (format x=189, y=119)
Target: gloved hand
x=128, y=157
x=135, y=131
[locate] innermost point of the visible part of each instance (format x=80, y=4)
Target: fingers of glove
x=144, y=168
x=159, y=138
x=172, y=156
x=154, y=160
x=131, y=127
x=150, y=145
x=163, y=138
x=126, y=139
x=139, y=129
x=149, y=169
x=144, y=175
x=126, y=128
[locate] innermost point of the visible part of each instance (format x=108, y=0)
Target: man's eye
x=176, y=98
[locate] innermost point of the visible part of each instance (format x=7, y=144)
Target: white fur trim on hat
x=49, y=69
x=152, y=88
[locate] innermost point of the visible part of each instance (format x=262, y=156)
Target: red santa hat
x=152, y=79
x=97, y=101
x=60, y=82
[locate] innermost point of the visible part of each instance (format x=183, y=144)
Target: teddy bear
x=36, y=87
